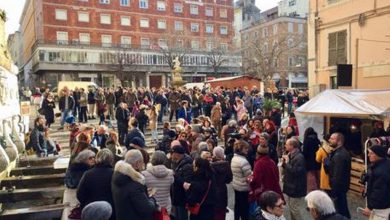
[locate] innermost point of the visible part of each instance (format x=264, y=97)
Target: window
x=106, y=40
x=194, y=27
x=223, y=30
x=104, y=1
x=265, y=32
x=178, y=25
x=194, y=9
x=290, y=61
x=275, y=29
x=124, y=2
x=84, y=38
x=290, y=27
x=255, y=35
x=209, y=11
x=265, y=48
x=290, y=42
x=162, y=43
x=105, y=19
x=223, y=13
x=337, y=47
x=300, y=28
x=209, y=28
x=178, y=7
x=62, y=37
x=292, y=2
x=61, y=14
x=125, y=41
x=209, y=46
x=195, y=45
x=145, y=43
x=125, y=21
x=83, y=16
x=161, y=24
x=160, y=6
x=143, y=4
x=224, y=47
x=144, y=22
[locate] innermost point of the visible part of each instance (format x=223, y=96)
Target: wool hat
x=100, y=210
x=178, y=149
x=379, y=151
x=138, y=141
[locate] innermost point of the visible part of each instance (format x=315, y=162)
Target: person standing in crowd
x=183, y=173
x=91, y=104
x=216, y=118
x=294, y=181
x=339, y=173
x=321, y=206
x=95, y=185
x=378, y=184
x=122, y=116
x=159, y=177
x=248, y=102
x=110, y=101
x=48, y=106
x=241, y=171
x=185, y=112
x=311, y=145
x=202, y=190
x=174, y=104
x=83, y=106
x=290, y=98
x=323, y=152
x=240, y=109
x=129, y=191
x=265, y=175
x=271, y=206
x=101, y=105
x=142, y=118
x=76, y=97
x=66, y=105
x=153, y=116
x=223, y=176
x=162, y=101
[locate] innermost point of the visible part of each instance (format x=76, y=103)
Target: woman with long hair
x=48, y=106
x=311, y=144
x=153, y=116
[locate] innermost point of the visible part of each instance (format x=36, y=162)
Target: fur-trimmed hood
x=127, y=170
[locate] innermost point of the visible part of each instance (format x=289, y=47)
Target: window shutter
x=342, y=47
x=332, y=49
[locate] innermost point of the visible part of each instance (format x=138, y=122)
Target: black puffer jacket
x=378, y=187
x=183, y=173
x=223, y=176
x=294, y=181
x=340, y=171
x=130, y=194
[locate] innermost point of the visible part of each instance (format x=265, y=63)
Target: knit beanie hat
x=379, y=151
x=100, y=210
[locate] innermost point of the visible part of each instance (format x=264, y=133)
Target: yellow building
x=355, y=32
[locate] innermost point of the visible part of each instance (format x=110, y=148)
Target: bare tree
x=215, y=57
x=265, y=56
x=125, y=61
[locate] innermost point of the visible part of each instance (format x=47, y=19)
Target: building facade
x=355, y=32
x=294, y=8
x=275, y=48
x=123, y=41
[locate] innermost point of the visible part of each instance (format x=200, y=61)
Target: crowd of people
x=222, y=136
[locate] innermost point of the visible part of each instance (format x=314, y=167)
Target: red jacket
x=265, y=177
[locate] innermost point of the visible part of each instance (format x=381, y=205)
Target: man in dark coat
x=183, y=173
x=174, y=104
x=294, y=181
x=378, y=185
x=129, y=192
x=91, y=104
x=37, y=139
x=339, y=173
x=66, y=105
x=122, y=116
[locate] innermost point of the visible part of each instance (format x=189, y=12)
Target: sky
x=14, y=9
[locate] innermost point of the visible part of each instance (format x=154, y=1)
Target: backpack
x=326, y=162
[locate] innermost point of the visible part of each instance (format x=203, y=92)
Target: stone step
x=17, y=195
x=31, y=161
x=36, y=181
x=38, y=170
x=39, y=212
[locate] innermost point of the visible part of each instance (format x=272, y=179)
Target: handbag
x=161, y=215
x=75, y=213
x=194, y=210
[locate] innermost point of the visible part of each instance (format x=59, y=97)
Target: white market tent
x=343, y=103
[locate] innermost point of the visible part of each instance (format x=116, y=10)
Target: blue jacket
x=182, y=114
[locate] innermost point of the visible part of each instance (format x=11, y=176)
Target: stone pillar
x=147, y=79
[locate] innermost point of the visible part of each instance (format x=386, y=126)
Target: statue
x=5, y=60
x=177, y=80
